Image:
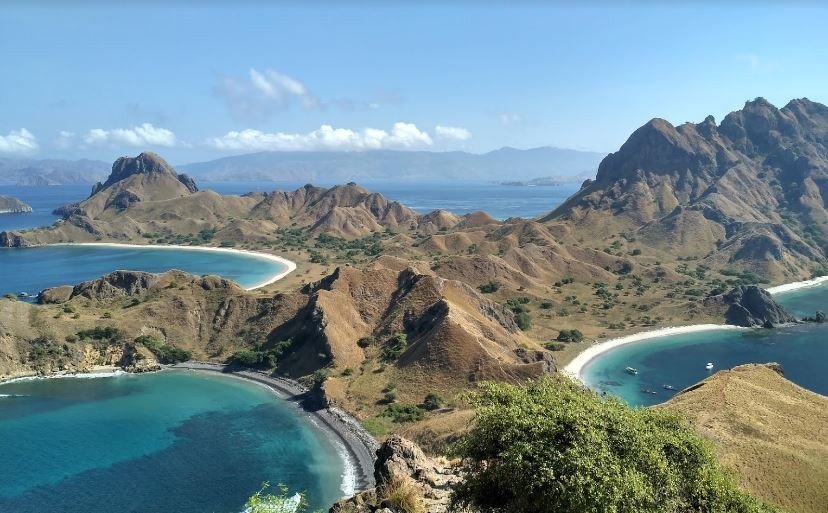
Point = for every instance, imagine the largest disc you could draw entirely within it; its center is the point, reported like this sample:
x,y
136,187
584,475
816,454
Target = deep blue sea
x,y
679,360
31,270
168,442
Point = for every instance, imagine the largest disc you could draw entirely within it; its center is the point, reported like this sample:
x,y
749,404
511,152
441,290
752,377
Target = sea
x,y
679,361
174,441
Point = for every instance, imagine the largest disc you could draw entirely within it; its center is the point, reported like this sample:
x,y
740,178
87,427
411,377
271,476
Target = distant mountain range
x,y
51,171
338,167
506,164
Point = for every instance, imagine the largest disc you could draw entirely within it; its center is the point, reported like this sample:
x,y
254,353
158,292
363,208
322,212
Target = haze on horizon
x,y
430,77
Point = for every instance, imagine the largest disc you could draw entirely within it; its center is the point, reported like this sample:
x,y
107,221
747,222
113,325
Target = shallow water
x,y
679,360
34,269
172,441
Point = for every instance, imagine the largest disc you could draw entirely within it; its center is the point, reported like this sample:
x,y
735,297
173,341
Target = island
x,y
11,205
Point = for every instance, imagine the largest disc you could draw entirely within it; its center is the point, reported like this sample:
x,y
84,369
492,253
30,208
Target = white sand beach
x,y
574,368
790,287
289,265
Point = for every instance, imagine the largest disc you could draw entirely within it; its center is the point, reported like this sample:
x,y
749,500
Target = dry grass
x,y
769,431
402,494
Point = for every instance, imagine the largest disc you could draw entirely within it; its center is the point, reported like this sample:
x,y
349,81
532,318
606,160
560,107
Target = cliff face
x,y
753,189
10,205
751,306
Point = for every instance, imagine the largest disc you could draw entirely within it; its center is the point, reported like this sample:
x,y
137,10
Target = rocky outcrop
x,y
146,163
751,190
751,306
10,205
401,463
12,240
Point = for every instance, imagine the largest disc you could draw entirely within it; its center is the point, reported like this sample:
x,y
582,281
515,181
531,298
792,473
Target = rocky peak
x,y
751,306
145,163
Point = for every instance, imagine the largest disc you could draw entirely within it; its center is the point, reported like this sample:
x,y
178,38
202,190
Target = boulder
x,y
750,306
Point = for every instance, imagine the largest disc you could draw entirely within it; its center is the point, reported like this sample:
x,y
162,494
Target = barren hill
x,y
773,433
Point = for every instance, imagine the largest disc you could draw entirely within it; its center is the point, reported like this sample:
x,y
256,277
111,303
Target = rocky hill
x,y
751,190
10,205
771,432
145,195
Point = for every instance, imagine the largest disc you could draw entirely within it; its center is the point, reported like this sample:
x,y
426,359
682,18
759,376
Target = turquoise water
x,y
34,269
679,360
167,442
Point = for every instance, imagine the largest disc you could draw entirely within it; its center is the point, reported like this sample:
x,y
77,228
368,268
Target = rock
x,y
145,163
400,459
55,295
118,283
749,306
12,240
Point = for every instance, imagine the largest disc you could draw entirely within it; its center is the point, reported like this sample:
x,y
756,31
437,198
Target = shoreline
x,y
342,429
575,368
358,447
289,265
797,285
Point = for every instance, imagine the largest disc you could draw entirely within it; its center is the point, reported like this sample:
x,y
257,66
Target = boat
x,y
631,370
648,391
669,387
23,294
709,366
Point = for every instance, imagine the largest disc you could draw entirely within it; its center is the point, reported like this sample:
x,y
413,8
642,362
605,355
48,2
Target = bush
x,y
432,402
98,333
555,346
489,288
284,502
553,446
570,336
163,352
395,347
366,341
547,305
404,412
523,320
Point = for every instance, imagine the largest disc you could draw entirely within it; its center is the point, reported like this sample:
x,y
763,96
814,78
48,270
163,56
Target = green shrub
x,y
366,341
553,446
555,346
432,402
98,333
163,352
404,413
489,288
570,336
395,347
523,320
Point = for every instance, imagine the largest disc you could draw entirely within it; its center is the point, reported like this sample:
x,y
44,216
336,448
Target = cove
x,y
31,270
171,441
679,361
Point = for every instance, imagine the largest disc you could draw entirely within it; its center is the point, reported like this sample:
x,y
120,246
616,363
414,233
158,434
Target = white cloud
x,y
456,133
143,135
326,137
756,63
262,91
19,142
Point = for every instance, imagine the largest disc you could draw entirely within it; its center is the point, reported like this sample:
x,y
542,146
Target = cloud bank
x,y
18,142
455,133
326,137
143,135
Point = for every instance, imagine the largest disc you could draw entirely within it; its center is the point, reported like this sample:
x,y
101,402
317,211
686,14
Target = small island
x,y
10,205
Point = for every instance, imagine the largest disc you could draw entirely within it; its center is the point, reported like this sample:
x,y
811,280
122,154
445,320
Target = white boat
x,y
709,366
631,370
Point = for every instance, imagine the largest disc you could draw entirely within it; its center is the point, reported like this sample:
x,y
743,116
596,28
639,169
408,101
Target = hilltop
x,y
771,432
751,190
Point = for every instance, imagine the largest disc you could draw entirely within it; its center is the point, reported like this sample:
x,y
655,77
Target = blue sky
x,y
93,81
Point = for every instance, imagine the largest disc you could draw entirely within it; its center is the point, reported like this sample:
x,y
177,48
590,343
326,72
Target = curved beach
x,y
358,446
574,368
290,266
790,287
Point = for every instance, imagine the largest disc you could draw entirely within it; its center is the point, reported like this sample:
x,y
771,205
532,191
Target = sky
x,y
90,80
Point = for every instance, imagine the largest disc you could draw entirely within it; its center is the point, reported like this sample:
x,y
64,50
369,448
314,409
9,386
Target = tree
x,y
553,446
432,402
570,336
